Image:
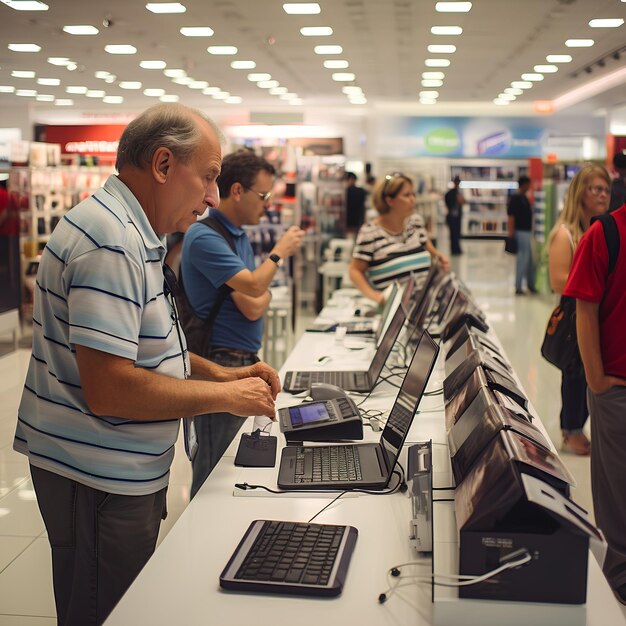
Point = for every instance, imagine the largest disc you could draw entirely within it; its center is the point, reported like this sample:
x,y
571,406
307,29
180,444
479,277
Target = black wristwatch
x,y
276,259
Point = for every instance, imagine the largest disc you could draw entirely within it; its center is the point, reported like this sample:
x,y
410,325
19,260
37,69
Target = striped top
x,y
99,285
393,257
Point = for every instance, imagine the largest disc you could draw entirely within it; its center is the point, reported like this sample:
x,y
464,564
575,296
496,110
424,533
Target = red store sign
x,y
98,140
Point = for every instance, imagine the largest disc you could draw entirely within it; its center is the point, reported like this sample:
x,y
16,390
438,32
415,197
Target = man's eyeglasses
x,y
596,190
264,196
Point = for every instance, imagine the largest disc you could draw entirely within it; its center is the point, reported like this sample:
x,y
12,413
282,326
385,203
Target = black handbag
x,y
510,245
560,344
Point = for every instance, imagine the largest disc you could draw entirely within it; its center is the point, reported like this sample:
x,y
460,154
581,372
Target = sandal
x,y
576,444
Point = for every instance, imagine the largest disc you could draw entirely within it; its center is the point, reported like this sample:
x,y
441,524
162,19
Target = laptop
x,y
366,465
359,380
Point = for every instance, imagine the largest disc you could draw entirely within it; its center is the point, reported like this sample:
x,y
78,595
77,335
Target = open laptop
x,y
366,465
359,380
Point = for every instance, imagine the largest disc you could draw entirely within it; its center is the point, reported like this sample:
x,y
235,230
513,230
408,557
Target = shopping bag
x,y
510,245
560,344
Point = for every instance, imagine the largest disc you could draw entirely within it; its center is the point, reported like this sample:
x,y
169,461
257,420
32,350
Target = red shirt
x,y
588,280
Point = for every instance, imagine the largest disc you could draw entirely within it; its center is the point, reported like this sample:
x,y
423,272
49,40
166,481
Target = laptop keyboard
x,y
303,380
328,464
290,552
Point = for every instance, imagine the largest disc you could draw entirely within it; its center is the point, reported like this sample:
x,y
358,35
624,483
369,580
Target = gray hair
x,y
165,125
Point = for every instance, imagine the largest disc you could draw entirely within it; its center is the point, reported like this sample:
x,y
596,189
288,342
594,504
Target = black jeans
x,y
454,225
574,411
100,541
215,431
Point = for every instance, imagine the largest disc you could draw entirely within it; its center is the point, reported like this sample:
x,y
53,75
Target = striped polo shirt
x,y
99,285
393,257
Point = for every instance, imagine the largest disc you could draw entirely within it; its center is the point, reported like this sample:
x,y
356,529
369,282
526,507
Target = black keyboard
x,y
303,380
291,557
328,464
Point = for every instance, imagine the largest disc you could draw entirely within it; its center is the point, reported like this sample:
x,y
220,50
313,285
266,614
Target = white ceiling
x,y
384,42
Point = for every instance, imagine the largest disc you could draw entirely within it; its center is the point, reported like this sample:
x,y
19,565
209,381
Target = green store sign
x,y
442,141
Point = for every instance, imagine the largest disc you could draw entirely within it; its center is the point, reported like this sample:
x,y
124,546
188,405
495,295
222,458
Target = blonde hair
x,y
389,187
572,214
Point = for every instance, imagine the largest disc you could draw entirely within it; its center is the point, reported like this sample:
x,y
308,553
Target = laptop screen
x,y
408,399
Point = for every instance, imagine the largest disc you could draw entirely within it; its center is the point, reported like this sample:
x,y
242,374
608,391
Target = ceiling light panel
x,y
302,8
257,76
166,7
174,72
60,61
120,49
429,94
95,93
336,64
7,89
198,84
546,69
434,75
80,29
430,82
453,7
51,82
154,93
316,31
44,97
243,65
26,5
153,65
196,31
559,58
222,50
521,84
437,62
328,49
579,43
130,84
446,30
606,23
26,93
24,47
532,77
23,74
345,77
268,84
441,49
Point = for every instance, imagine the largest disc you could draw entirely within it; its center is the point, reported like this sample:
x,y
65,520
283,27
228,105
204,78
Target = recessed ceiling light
x,y
153,65
234,100
316,31
532,77
336,64
196,31
26,93
579,43
328,49
521,84
26,5
437,62
546,69
559,58
514,91
430,82
278,91
507,96
428,94
71,66
168,97
174,73
120,49
243,65
154,93
23,74
446,30
64,102
198,84
103,75
130,84
345,77
434,75
166,7
44,97
302,8
183,80
441,49
268,84
501,102
211,91
352,89
7,89
76,89
80,29
222,95
222,50
52,82
111,78
256,77
606,23
60,61
453,7
24,47
113,99
95,93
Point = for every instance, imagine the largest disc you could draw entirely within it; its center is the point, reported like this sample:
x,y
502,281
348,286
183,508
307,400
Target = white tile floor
x,y
25,568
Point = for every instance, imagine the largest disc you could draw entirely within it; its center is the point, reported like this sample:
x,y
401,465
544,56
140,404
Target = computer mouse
x,y
324,391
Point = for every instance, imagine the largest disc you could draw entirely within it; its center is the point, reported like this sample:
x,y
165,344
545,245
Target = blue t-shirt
x,y
207,262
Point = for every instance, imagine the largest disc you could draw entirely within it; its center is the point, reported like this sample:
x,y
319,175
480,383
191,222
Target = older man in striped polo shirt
x,y
107,381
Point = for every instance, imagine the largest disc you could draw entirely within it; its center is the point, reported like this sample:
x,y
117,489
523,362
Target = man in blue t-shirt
x,y
208,262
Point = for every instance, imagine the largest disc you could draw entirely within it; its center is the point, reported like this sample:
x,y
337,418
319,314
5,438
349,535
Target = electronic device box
x,y
321,420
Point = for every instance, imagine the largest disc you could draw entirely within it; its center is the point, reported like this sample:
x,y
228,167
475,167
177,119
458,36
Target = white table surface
x,y
180,583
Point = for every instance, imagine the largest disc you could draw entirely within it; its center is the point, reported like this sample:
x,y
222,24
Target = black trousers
x,y
454,225
100,542
215,431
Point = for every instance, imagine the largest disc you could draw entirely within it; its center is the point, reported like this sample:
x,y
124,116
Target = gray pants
x,y
215,431
100,542
608,476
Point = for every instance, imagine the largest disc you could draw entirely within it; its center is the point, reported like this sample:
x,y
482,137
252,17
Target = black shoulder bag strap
x,y
611,235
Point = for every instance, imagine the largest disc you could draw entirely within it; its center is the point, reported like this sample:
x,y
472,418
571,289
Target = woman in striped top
x,y
393,245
